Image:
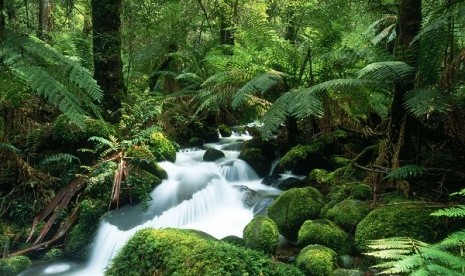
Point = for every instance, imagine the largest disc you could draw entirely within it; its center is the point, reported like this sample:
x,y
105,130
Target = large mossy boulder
x,y
324,232
361,191
293,207
348,213
14,265
316,260
255,158
180,252
302,159
224,130
212,154
403,219
261,233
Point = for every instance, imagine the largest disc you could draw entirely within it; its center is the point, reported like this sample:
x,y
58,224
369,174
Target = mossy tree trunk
x,y
2,20
45,19
108,66
408,26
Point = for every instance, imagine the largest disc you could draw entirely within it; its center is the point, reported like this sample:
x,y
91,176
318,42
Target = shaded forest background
x,y
93,93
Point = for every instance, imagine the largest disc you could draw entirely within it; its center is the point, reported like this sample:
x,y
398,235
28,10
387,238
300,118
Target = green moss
x,y
348,213
53,254
361,191
293,207
347,272
256,160
316,260
196,142
180,252
262,234
403,219
14,265
318,176
224,130
339,161
324,232
83,233
66,130
161,147
302,159
212,155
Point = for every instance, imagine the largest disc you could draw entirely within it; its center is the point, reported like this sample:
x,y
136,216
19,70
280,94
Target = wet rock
x,y
249,196
290,183
212,154
272,180
261,208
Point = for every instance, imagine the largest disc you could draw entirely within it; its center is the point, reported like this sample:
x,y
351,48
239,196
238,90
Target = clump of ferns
x,y
406,256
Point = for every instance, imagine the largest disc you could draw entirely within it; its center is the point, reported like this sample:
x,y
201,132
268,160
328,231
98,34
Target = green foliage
x,y
406,171
424,102
60,158
293,207
183,252
262,234
326,233
14,265
361,191
301,159
224,130
161,147
62,81
348,213
316,260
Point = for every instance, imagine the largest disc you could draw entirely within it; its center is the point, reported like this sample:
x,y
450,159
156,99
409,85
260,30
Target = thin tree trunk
x,y
2,20
408,26
108,66
45,19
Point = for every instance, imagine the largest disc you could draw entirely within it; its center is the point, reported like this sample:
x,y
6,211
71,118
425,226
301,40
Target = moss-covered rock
x,y
224,130
339,161
234,240
403,219
348,213
67,131
347,272
290,183
261,233
212,154
82,234
302,159
14,265
361,191
293,207
179,252
196,142
256,160
161,147
324,232
316,260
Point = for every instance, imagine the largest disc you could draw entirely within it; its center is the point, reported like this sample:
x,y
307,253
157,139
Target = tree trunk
x,y
2,20
226,35
408,26
45,19
108,66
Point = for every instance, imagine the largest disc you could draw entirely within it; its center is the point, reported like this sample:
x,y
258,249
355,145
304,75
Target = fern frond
x,y
60,157
422,102
305,103
276,114
454,240
258,85
190,78
405,172
9,147
387,71
102,141
451,212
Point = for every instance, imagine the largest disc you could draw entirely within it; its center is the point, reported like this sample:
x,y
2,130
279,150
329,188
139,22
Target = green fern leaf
x,y
451,212
422,102
387,71
9,147
405,172
258,85
60,157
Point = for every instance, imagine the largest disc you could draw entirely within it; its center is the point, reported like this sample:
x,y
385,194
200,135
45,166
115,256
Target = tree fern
x,y
406,171
387,71
258,85
62,81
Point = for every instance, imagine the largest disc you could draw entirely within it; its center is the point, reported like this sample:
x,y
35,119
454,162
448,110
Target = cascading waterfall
x,y
217,198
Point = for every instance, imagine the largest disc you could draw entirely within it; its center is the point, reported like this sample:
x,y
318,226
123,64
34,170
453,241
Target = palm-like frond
x,y
421,102
60,157
258,85
387,71
64,82
451,212
9,148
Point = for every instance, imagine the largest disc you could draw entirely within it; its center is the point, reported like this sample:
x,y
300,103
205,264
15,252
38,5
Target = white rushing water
x,y
206,196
